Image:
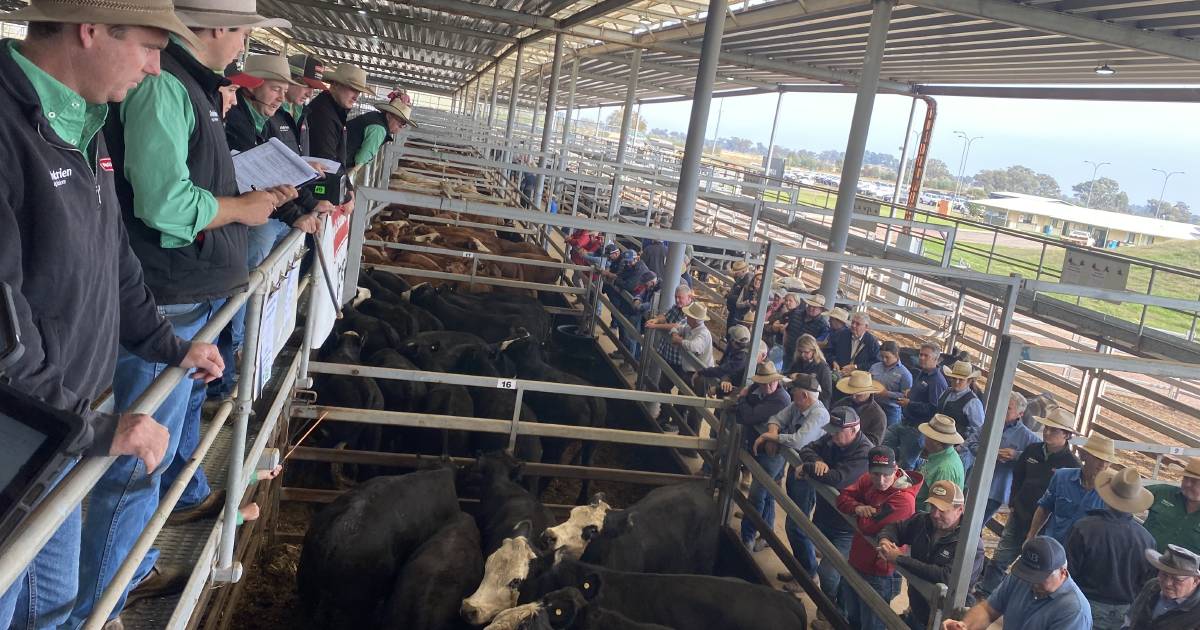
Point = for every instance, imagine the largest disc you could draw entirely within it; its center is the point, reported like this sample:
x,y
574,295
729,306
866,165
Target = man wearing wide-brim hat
x,y
367,133
860,389
63,253
1171,601
1175,515
329,112
941,459
187,225
1105,548
1072,491
756,405
695,344
961,403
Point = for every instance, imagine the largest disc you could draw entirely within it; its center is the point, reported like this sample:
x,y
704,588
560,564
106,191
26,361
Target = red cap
x,y
247,81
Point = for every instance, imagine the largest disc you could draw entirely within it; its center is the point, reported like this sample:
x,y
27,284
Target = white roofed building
x,y
1054,217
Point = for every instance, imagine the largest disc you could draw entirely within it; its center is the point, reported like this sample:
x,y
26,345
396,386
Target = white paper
x,y
271,164
329,165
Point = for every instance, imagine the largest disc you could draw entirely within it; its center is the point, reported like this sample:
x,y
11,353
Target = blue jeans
x,y
827,574
1006,552
763,502
805,497
1108,616
892,413
858,613
42,596
907,442
122,502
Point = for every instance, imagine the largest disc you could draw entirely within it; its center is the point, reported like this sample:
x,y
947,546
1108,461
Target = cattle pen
x,y
1125,362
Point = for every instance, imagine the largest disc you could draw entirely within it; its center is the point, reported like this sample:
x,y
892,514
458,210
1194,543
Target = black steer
x,y
673,529
489,325
429,591
431,350
376,333
356,546
569,609
398,317
694,602
353,392
503,503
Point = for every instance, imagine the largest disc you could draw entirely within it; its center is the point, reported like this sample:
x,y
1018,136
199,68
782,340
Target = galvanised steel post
x,y
495,82
551,104
537,101
856,144
513,95
758,206
689,171
912,112
635,65
564,150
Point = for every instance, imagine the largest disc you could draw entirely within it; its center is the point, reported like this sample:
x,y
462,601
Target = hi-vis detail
x,y
59,176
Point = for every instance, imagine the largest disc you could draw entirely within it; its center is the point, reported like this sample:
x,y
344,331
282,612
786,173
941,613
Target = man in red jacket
x,y
884,494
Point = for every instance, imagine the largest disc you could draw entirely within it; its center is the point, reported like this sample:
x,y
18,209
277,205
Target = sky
x,y
1049,136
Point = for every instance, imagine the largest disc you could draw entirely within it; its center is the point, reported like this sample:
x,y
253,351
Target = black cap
x,y
807,382
309,70
1039,558
840,418
881,459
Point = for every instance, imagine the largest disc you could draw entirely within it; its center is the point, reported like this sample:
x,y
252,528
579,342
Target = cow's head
x,y
558,610
569,539
417,290
504,572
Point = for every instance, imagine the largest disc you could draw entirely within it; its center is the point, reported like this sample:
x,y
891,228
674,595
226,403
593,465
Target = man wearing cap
x,y
861,390
807,318
1015,438
756,406
1171,601
1039,595
1106,548
895,378
942,462
854,347
328,113
624,279
77,290
1175,515
307,72
932,541
366,133
187,225
1032,471
880,497
961,404
917,406
838,459
1072,491
742,275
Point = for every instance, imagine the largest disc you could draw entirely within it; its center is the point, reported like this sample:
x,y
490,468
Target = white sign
x,y
276,325
866,207
506,383
1087,269
334,243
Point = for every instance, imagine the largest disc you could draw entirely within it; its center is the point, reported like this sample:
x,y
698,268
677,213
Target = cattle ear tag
x,y
587,585
558,612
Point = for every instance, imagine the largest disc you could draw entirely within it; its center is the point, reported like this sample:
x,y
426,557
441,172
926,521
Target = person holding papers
x,y
187,225
366,133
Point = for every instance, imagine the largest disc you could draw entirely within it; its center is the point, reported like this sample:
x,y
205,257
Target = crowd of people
x,y
136,239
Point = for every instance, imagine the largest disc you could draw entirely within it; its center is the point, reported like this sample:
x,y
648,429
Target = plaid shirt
x,y
671,353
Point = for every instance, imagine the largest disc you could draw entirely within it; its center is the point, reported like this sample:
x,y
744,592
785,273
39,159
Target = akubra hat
x,y
265,68
350,76
1058,418
158,14
1122,491
941,429
697,311
1175,560
1193,468
399,104
1101,446
859,382
225,14
739,266
960,369
765,373
839,314
817,301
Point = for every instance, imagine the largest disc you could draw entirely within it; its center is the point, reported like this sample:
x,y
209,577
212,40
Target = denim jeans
x,y
41,598
805,497
1108,616
907,442
990,510
892,413
1006,552
827,574
763,502
857,612
122,502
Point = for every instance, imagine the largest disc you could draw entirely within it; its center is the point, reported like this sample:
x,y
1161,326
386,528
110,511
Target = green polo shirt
x,y
294,110
944,465
74,120
159,118
373,137
258,118
1169,521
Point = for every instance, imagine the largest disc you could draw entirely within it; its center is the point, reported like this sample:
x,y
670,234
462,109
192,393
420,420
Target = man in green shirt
x,y
1174,518
366,133
941,459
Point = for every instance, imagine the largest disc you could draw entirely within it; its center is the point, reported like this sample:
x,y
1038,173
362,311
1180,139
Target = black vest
x,y
214,265
356,129
291,130
327,128
957,409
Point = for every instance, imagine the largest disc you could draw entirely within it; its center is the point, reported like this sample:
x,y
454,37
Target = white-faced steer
x,y
569,539
504,572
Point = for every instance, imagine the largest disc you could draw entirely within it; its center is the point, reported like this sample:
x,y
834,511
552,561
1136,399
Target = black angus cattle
x,y
491,326
529,309
694,602
398,394
399,318
431,350
430,588
673,529
376,333
356,546
353,392
504,504
494,402
567,609
522,358
391,288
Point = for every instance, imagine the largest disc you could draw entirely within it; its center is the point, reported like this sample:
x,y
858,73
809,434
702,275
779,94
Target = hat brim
x,y
407,118
1104,455
167,21
248,81
770,378
844,320
940,503
875,388
813,303
361,88
949,373
1054,424
940,438
1155,560
196,18
1141,503
881,469
832,428
313,83
271,76
1031,576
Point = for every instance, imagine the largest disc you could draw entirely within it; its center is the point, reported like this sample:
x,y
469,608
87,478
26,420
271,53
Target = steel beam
x,y
614,201
1139,94
491,118
407,43
312,43
758,206
514,96
365,11
551,106
537,101
856,144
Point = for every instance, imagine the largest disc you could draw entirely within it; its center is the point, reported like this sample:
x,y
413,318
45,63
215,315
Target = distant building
x,y
1054,217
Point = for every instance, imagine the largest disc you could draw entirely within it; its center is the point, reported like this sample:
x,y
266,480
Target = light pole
x,y
962,164
1166,178
1095,167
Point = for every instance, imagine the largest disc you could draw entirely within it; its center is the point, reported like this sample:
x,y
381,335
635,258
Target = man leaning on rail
x,y
187,224
77,287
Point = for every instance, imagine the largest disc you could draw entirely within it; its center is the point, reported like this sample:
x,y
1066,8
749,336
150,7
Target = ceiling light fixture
x,y
1105,70
362,11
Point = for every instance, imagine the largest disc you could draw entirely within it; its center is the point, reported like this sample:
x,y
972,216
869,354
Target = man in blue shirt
x,y
1072,491
1013,441
917,405
1038,595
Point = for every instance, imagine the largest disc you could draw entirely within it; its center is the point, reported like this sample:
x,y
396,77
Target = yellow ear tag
x,y
558,612
587,585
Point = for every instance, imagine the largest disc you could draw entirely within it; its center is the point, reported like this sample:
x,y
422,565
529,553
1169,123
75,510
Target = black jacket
x,y
356,130
1031,476
929,559
1106,553
1186,617
327,129
840,344
870,416
214,265
242,135
846,465
757,406
297,128
77,286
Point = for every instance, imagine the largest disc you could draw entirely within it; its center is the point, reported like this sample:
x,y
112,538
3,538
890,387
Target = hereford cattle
x,y
694,602
355,546
504,573
566,609
430,588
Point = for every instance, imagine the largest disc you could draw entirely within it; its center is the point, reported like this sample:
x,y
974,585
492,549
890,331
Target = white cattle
x,y
569,539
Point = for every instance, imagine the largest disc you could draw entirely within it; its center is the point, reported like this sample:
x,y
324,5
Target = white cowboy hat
x,y
697,311
158,14
941,429
225,14
859,382
399,104
350,76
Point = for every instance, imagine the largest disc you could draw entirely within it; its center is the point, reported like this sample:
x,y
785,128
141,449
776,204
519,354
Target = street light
x,y
1096,167
962,163
1166,178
